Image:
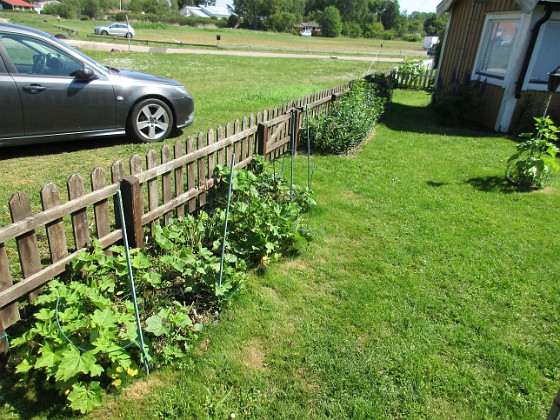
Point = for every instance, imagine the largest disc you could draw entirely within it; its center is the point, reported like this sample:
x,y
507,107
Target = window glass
x,y
499,39
547,57
31,56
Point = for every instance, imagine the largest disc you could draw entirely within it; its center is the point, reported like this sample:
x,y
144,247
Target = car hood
x,y
143,77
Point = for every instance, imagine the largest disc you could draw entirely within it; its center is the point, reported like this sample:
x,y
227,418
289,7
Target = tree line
x,y
353,18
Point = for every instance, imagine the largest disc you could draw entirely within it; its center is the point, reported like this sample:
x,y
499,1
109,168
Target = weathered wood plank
x,y
179,176
193,156
191,175
20,208
237,144
201,165
56,235
79,218
220,134
100,209
153,190
133,210
166,190
9,315
41,219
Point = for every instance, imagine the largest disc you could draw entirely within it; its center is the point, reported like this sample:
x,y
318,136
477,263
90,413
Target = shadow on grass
x,y
70,146
495,184
422,119
30,399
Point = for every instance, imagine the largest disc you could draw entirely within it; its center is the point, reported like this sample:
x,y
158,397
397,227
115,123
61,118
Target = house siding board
x,y
531,105
467,17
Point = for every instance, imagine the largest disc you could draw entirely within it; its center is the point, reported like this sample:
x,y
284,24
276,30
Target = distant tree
x,y
253,13
281,22
373,30
434,25
250,12
391,16
352,10
352,30
331,22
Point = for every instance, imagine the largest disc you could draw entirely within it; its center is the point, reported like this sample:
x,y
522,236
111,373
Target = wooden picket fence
x,y
422,82
176,184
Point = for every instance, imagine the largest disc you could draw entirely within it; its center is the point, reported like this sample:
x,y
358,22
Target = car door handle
x,y
34,88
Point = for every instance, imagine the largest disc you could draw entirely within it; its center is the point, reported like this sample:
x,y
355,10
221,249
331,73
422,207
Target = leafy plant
x,y
410,70
82,340
265,217
535,159
85,338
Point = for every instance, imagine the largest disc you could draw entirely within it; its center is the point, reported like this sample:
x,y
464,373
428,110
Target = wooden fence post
x,y
296,117
133,211
262,138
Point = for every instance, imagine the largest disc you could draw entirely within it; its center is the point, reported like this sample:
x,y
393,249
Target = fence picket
x,y
201,173
179,176
9,315
100,209
20,209
56,235
167,191
191,175
153,189
79,218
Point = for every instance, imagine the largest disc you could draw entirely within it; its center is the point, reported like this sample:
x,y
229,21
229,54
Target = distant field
x,y
230,38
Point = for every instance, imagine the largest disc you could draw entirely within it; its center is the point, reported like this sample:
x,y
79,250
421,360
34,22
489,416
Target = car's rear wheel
x,y
150,120
128,35
104,33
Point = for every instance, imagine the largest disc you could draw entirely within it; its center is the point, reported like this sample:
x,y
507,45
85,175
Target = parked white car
x,y
118,29
305,32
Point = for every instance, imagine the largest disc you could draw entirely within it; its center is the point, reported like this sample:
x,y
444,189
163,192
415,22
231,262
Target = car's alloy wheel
x,y
150,120
104,33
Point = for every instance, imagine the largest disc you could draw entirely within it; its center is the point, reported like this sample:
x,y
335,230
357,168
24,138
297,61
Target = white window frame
x,y
527,84
483,45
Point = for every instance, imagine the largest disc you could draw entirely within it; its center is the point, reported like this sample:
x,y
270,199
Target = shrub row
x,y
352,118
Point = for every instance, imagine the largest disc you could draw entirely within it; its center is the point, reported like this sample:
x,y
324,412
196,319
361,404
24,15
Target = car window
x,y
31,56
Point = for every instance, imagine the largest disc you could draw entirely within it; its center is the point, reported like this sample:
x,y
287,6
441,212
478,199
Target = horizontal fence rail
x,y
153,191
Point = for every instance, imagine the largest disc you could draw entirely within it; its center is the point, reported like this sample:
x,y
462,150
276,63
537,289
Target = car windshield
x,y
82,55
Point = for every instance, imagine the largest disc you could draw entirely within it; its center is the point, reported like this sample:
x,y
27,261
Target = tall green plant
x,y
536,158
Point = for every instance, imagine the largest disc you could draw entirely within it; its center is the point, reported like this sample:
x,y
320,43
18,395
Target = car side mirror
x,y
86,73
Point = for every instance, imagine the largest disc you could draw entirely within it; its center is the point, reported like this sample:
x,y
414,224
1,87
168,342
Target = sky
x,y
418,5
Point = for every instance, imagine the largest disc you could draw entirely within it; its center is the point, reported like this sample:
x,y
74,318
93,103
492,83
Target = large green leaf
x,y
48,357
84,398
73,363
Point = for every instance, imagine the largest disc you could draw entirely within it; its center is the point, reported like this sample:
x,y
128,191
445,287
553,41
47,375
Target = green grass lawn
x,y
430,291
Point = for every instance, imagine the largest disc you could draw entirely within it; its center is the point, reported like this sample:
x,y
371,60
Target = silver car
x,y
51,92
118,29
